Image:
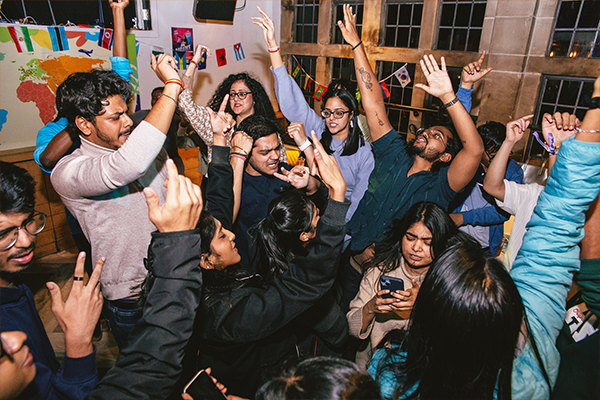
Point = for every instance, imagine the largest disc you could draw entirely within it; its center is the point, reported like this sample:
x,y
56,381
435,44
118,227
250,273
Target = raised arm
x,y
119,41
465,163
556,129
471,73
188,75
372,98
493,182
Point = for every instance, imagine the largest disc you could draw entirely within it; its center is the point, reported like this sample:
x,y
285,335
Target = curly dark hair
x,y
340,88
262,104
17,190
85,94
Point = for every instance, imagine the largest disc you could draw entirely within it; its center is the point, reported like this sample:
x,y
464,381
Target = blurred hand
x,y
348,27
221,122
298,176
182,207
516,129
438,80
78,315
296,132
268,27
327,168
472,72
201,49
116,4
243,140
165,67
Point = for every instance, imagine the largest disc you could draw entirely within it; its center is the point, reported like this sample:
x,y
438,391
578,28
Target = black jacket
x,y
150,364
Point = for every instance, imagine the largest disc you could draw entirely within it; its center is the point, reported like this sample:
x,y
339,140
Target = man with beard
x,y
42,376
432,168
101,182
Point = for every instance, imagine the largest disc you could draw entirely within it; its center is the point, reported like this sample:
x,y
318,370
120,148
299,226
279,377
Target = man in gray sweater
x,y
101,183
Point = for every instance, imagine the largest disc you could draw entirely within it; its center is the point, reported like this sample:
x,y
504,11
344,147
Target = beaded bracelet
x,y
273,50
166,95
176,81
587,130
238,155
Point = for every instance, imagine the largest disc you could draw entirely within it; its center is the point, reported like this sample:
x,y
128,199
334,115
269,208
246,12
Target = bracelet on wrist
x,y
238,155
452,102
551,148
305,145
355,46
166,95
193,62
242,151
175,81
587,130
273,49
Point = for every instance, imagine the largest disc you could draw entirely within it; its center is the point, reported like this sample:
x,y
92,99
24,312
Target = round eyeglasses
x,y
32,225
239,95
337,114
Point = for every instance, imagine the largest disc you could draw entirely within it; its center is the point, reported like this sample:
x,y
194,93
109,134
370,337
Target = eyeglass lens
x,y
338,114
33,225
239,95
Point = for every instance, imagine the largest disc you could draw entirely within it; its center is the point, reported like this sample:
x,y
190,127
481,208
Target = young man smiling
x,y
101,182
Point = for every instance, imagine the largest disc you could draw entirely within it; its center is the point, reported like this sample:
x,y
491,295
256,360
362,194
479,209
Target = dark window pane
x,y
561,41
589,15
551,91
417,13
308,15
463,14
394,117
447,15
402,37
459,39
407,96
474,38
580,113
414,38
405,14
403,126
569,93
586,94
358,10
582,44
396,95
299,15
298,35
478,15
444,38
561,109
390,37
567,16
596,51
392,14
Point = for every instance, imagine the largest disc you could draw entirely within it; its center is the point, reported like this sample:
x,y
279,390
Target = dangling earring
x,y
351,123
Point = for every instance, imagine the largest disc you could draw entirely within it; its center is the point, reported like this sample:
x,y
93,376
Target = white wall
x,y
178,13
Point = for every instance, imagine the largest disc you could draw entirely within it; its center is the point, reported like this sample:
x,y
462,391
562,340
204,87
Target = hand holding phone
x,y
202,387
390,283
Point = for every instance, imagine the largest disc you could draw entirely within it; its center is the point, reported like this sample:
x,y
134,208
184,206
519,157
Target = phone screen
x,y
202,387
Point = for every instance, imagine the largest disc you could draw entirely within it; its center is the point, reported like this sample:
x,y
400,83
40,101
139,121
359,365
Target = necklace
x,y
339,148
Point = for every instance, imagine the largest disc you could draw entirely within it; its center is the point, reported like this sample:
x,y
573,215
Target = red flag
x,y
384,90
319,92
221,58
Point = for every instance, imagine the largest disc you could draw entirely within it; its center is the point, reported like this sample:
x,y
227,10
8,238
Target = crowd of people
x,y
272,276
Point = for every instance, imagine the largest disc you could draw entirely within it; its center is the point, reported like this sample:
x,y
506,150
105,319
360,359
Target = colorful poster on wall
x,y
34,60
183,45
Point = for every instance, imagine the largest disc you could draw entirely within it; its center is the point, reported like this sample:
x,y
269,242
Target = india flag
x,y
20,35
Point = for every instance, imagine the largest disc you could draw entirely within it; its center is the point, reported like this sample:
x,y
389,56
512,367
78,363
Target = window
x,y
460,25
343,68
560,94
402,24
576,30
309,64
86,12
338,15
306,21
399,117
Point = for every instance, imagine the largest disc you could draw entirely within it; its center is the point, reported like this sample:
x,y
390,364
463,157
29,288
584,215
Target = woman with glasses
x,y
246,97
338,129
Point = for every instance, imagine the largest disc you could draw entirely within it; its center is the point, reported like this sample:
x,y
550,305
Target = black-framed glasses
x,y
32,225
239,95
337,114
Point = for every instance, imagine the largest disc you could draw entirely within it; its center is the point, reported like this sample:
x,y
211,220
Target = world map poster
x,y
34,61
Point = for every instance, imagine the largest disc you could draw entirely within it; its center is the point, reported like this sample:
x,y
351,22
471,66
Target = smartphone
x,y
202,387
390,283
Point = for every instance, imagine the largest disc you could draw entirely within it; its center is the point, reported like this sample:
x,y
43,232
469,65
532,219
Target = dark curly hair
x,y
341,89
85,94
262,104
17,190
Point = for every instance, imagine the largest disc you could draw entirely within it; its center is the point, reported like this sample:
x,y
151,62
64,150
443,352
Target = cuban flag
x,y
239,52
403,76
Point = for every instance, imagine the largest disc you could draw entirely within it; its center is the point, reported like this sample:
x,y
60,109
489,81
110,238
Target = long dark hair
x,y
278,235
341,89
320,378
463,331
388,253
262,104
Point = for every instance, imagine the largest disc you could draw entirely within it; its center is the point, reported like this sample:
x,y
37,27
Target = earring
x,y
351,123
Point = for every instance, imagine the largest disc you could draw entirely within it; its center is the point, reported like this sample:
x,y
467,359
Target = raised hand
x,y
242,140
78,315
348,27
165,67
221,122
182,207
327,168
562,126
296,132
298,176
268,27
201,49
472,72
516,129
118,3
438,80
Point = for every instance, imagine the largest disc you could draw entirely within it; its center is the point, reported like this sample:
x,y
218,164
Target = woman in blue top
x,y
338,130
478,331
